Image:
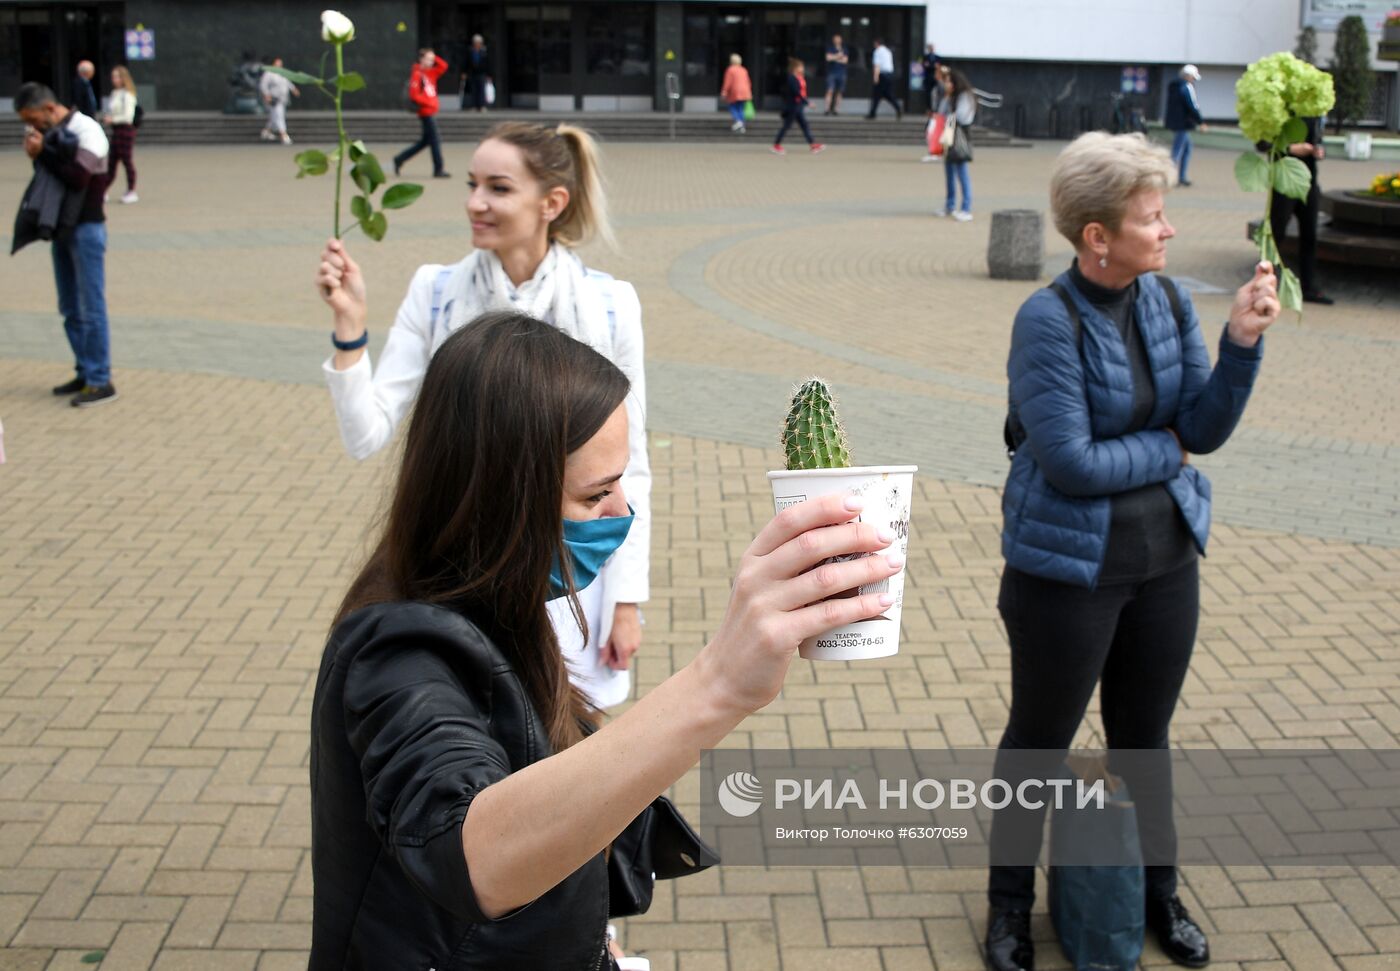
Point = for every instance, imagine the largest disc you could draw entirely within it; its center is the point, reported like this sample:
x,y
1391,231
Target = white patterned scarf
x,y
556,294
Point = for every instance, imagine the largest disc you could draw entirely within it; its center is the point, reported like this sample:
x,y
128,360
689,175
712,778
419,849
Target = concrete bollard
x,y
1016,250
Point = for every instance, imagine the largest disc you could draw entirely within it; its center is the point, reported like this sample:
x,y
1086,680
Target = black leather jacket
x,y
416,711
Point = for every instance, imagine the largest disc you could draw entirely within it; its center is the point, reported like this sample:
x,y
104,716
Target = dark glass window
x,y
619,39
701,57
556,53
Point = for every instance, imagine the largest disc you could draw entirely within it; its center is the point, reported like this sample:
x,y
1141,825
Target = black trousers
x,y
799,115
1282,209
884,91
429,140
1135,638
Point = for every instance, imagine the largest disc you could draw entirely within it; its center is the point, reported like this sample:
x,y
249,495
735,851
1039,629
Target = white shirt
x,y
371,401
883,60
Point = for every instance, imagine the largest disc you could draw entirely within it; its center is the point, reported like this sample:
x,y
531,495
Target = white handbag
x,y
950,128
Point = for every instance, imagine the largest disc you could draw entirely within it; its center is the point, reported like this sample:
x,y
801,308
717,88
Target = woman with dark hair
x,y
959,109
536,195
461,800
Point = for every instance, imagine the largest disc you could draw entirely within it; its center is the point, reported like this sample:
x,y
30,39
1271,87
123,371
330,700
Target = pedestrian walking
x,y
423,93
933,81
882,67
1182,116
463,797
276,92
536,194
837,63
959,110
1283,208
476,75
121,116
795,108
1111,390
737,92
64,204
84,97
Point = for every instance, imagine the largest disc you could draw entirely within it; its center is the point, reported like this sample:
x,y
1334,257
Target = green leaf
x,y
367,173
357,148
1290,291
311,162
1252,172
296,77
375,226
350,82
1292,178
401,195
1296,130
93,957
360,208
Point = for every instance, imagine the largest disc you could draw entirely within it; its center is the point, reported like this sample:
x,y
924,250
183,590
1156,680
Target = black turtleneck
x,y
1148,535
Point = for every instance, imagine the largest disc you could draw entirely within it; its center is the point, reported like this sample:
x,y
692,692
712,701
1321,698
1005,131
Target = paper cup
x,y
888,492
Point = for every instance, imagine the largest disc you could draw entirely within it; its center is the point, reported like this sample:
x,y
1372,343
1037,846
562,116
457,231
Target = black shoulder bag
x,y
1013,433
657,845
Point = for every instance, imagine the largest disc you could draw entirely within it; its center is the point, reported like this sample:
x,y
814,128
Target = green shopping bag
x,y
748,111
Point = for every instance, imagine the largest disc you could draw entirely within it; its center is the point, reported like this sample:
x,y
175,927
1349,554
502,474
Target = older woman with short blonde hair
x,y
1111,389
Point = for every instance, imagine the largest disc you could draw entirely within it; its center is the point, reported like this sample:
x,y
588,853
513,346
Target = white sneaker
x,y
286,139
943,213
743,130
737,126
962,217
266,135
130,197
931,158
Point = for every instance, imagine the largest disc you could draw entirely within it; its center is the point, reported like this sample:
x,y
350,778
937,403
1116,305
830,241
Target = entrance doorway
x,y
45,43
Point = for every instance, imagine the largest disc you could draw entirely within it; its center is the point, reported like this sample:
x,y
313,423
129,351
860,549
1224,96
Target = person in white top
x,y
276,91
121,116
535,194
882,79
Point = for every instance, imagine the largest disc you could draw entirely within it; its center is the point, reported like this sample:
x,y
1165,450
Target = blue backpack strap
x,y
439,286
605,284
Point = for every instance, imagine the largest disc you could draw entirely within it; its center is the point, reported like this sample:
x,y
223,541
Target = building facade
x,y
1060,65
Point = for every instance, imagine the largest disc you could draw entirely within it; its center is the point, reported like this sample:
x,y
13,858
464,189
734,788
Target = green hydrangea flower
x,y
1276,88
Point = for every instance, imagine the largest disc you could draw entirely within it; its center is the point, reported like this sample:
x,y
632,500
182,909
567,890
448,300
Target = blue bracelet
x,y
353,345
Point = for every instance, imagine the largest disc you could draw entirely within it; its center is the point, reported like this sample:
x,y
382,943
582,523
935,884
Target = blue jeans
x,y
958,171
799,115
78,273
1181,152
429,140
736,108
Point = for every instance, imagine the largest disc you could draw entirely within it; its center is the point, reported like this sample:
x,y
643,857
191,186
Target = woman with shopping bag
x,y
737,93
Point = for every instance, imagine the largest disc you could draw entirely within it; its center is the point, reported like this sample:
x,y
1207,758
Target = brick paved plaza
x,y
169,564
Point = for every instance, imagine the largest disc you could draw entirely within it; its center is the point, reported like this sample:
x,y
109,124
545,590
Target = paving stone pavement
x,y
169,564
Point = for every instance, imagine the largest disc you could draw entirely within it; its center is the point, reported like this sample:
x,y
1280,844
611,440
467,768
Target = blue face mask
x,y
589,542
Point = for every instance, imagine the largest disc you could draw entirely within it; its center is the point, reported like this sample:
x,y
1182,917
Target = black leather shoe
x,y
1179,936
1318,297
1009,946
71,387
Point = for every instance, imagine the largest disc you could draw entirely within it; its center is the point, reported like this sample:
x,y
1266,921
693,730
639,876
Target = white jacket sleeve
x,y
629,580
369,403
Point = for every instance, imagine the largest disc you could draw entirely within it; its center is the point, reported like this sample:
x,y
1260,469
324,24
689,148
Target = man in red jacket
x,y
422,90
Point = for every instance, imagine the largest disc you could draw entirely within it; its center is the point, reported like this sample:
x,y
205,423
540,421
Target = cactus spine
x,y
813,436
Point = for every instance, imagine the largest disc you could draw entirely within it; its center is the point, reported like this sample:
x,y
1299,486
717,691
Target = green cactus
x,y
813,436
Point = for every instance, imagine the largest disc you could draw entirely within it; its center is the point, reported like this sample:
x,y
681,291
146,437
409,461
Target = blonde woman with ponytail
x,y
536,193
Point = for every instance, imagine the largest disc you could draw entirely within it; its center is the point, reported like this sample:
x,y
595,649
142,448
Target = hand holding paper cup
x,y
819,464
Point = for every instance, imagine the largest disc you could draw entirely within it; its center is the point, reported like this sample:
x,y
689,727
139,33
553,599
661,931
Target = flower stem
x,y
340,127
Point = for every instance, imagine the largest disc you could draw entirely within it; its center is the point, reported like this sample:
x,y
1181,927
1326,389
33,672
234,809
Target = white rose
x,y
336,28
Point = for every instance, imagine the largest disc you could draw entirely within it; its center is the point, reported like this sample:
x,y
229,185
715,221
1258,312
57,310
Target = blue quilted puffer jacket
x,y
1075,404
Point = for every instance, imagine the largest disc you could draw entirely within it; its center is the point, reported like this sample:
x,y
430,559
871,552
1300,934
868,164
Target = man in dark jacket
x,y
1282,208
71,147
84,98
1183,114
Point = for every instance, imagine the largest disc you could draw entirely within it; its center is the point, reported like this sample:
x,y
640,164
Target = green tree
x,y
1351,70
1307,45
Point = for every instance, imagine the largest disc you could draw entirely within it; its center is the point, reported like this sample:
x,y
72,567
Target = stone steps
x,y
388,127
